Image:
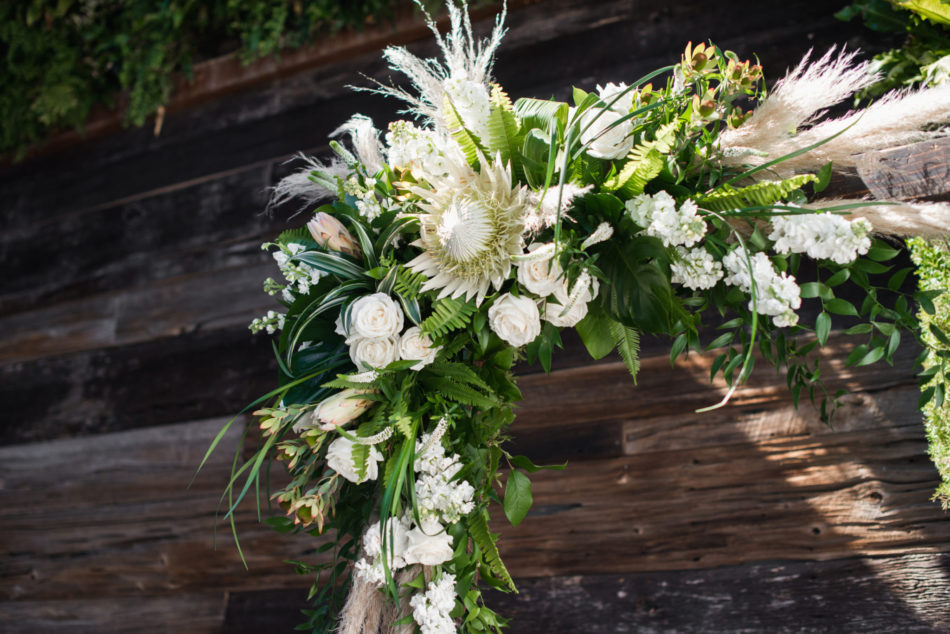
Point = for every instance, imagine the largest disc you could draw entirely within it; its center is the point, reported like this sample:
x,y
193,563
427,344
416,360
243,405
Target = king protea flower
x,y
471,226
332,235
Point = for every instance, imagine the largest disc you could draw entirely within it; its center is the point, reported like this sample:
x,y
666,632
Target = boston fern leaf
x,y
628,345
298,235
461,393
478,528
760,194
408,282
448,314
644,163
459,372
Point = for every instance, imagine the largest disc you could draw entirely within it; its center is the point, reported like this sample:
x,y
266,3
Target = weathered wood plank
x,y
115,507
194,613
847,596
206,301
915,171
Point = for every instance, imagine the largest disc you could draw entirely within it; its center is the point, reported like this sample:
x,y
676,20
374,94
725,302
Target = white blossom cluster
x,y
431,609
660,218
777,294
373,333
824,236
471,101
300,276
366,202
437,495
271,323
418,150
426,544
695,269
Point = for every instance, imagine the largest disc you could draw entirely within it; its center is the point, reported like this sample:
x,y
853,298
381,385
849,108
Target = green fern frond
x,y
408,282
461,393
471,145
760,194
628,345
298,235
644,163
478,528
403,423
448,314
500,98
458,372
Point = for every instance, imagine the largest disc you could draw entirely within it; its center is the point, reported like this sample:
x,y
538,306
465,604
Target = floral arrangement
x,y
459,244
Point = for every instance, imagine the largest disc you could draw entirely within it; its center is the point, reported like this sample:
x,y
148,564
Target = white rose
x,y
576,311
541,276
376,315
613,144
398,531
515,319
413,345
377,352
340,459
609,92
429,545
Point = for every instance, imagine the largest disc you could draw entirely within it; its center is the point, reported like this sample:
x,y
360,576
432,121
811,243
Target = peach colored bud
x,y
332,235
341,408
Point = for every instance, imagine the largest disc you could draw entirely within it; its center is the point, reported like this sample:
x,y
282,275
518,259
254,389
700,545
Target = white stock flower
x,y
660,218
777,294
340,459
823,236
515,319
418,150
415,346
695,269
431,609
429,544
376,315
541,275
571,306
609,92
612,144
368,353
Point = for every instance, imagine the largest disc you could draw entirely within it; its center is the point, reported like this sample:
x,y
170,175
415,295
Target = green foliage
x,y
628,345
762,194
644,163
933,261
922,58
448,314
485,540
62,57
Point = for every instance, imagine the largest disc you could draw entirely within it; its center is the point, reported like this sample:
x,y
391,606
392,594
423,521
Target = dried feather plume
x,y
785,121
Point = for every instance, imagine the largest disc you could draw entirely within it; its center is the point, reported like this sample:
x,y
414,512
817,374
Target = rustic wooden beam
x,y
919,171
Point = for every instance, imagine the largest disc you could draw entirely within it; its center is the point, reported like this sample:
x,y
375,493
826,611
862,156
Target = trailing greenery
x,y
933,272
62,57
924,56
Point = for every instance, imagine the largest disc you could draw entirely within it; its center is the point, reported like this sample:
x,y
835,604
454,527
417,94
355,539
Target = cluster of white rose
x,y
777,294
660,218
517,319
438,496
695,268
824,236
372,331
431,609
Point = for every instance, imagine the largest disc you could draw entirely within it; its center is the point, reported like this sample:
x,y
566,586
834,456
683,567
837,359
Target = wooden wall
x,y
131,267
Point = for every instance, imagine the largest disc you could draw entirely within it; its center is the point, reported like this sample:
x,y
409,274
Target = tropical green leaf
x,y
518,498
504,137
627,341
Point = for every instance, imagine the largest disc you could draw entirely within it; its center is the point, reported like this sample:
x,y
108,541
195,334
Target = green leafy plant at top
x,y
62,57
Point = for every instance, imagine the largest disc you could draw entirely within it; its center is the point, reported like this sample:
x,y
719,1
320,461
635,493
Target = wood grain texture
x,y
846,596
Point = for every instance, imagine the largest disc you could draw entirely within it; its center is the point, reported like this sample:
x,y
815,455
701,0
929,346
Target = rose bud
x,y
341,408
332,235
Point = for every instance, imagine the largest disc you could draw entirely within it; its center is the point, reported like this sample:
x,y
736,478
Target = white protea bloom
x,y
470,227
